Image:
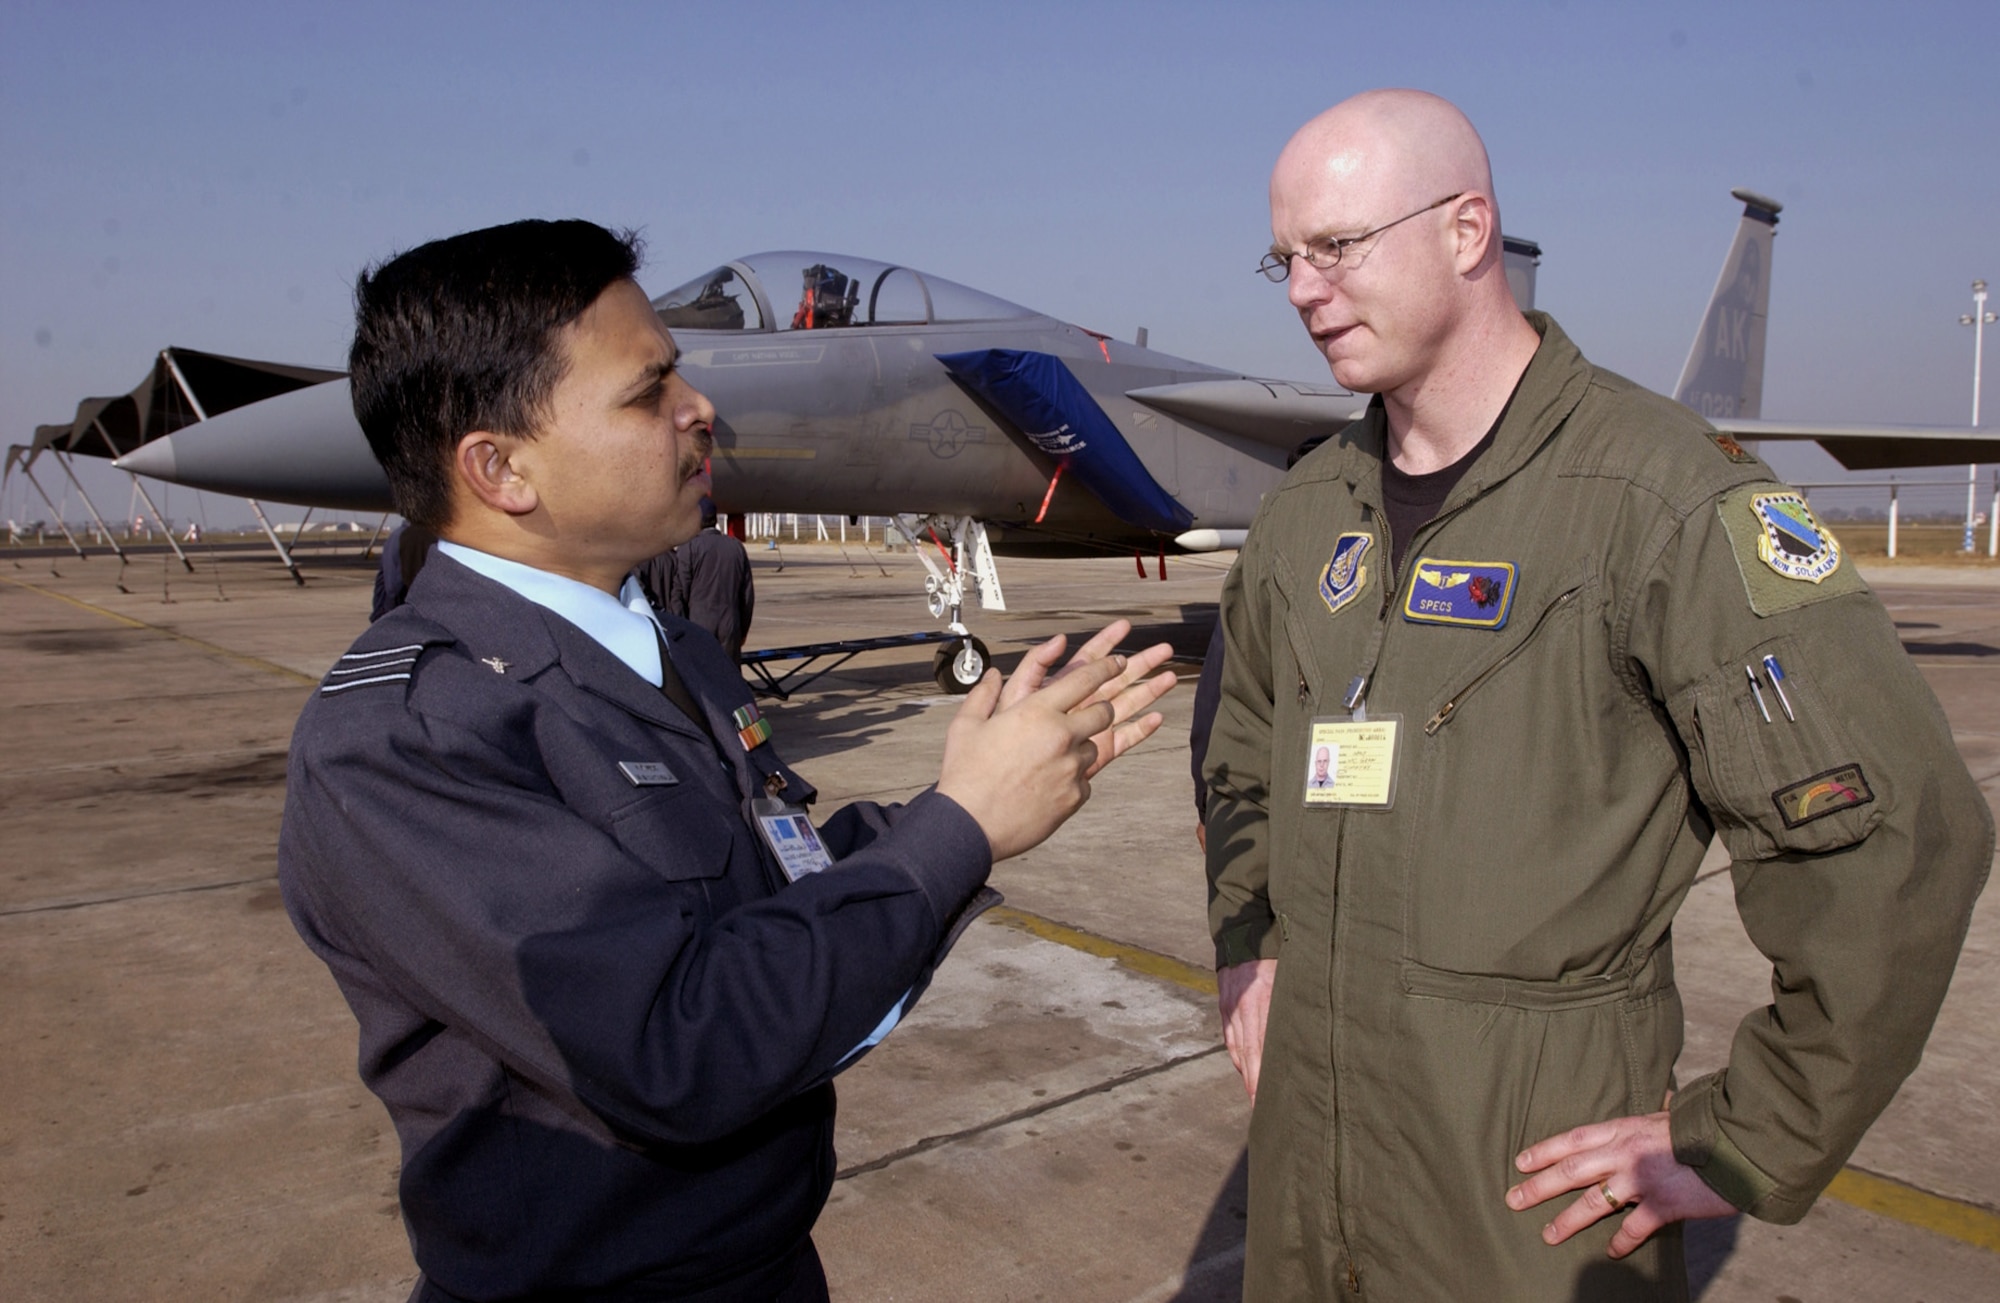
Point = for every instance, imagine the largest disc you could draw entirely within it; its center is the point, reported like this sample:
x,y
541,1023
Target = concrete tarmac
x,y
1056,1120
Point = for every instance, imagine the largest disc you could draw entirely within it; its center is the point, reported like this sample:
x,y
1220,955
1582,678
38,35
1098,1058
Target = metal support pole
x,y
376,537
173,367
1977,319
272,534
54,511
62,460
172,542
1993,520
1894,509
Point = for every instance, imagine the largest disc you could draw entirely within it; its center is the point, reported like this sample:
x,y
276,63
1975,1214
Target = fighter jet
x,y
846,386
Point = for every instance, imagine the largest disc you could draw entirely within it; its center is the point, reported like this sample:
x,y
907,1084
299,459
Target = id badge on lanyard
x,y
1352,761
788,830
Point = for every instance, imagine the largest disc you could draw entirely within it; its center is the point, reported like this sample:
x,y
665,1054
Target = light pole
x,y
1978,319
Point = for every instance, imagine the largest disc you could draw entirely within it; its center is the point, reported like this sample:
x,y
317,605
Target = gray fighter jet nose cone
x,y
302,447
155,459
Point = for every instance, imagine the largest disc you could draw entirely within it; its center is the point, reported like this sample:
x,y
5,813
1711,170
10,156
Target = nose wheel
x,y
958,666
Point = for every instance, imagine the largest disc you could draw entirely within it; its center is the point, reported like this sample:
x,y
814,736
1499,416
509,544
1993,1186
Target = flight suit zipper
x,y
1451,705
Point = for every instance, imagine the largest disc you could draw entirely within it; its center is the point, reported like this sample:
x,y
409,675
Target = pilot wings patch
x,y
1476,594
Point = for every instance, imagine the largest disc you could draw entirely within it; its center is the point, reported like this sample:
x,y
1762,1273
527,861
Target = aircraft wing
x,y
1279,413
1877,447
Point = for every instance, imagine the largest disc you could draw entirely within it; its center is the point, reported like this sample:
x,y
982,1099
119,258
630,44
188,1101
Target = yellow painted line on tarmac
x,y
213,649
1151,963
1968,1223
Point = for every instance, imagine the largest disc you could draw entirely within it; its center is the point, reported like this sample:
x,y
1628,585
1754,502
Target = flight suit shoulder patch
x,y
1787,558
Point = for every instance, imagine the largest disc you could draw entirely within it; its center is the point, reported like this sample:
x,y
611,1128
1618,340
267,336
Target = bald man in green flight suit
x,y
1560,635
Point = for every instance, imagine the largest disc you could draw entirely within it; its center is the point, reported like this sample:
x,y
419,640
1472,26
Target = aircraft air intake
x,y
1048,405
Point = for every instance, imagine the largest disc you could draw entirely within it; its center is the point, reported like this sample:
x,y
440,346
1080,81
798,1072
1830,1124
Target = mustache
x,y
697,455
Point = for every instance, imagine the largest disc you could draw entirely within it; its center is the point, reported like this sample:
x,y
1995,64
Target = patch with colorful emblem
x,y
1794,543
1476,594
1822,794
1770,588
1731,449
1344,577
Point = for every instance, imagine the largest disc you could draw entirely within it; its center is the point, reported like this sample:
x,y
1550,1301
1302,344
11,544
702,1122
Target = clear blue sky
x,y
213,175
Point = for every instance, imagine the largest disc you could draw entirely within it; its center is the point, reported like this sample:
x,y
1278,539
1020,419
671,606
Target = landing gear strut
x,y
960,663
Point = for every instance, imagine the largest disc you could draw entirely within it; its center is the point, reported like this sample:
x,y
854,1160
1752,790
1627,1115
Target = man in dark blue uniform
x,y
707,581
541,838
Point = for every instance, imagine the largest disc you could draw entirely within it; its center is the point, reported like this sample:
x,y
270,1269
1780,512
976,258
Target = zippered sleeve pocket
x,y
1774,762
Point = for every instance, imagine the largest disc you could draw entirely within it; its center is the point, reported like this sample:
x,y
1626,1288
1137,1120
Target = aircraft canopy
x,y
801,290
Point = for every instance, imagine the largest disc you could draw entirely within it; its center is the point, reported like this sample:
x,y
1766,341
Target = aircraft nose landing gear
x,y
958,666
960,662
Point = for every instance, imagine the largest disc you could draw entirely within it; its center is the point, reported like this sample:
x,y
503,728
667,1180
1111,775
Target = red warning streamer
x,y
1050,495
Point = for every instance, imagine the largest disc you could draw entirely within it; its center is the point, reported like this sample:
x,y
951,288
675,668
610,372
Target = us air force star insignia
x,y
499,666
1793,543
1344,577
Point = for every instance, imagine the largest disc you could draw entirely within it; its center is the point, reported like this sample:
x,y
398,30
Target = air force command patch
x,y
1477,594
1794,544
1344,577
1786,557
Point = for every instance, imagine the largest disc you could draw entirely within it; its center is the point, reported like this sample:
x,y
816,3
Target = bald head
x,y
1389,151
1397,181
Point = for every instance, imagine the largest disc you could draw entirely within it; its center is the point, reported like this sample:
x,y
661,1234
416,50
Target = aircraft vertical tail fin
x,y
1520,258
1724,375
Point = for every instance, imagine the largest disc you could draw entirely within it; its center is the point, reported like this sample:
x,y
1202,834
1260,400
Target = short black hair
x,y
460,335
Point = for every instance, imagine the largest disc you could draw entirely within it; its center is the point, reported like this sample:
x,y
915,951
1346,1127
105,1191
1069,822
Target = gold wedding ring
x,y
1604,1188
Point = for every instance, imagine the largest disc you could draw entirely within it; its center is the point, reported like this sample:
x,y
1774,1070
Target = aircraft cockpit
x,y
799,290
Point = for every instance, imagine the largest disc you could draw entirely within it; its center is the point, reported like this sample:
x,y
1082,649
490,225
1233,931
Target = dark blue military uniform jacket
x,y
603,1023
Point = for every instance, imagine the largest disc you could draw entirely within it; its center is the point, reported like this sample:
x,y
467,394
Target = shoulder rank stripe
x,y
331,688
371,667
387,651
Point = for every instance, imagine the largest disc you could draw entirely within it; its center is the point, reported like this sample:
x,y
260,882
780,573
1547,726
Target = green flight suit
x,y
1488,962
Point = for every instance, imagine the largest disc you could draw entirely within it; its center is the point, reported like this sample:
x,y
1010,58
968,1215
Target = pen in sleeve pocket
x,y
1758,693
1777,673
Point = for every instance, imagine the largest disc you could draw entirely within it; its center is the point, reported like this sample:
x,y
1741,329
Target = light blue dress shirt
x,y
623,625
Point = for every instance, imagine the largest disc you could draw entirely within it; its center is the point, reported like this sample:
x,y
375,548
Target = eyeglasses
x,y
1324,251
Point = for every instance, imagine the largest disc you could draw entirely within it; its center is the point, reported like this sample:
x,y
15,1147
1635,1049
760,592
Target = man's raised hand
x,y
1019,757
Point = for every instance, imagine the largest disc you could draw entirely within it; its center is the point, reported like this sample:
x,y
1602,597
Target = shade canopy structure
x,y
185,385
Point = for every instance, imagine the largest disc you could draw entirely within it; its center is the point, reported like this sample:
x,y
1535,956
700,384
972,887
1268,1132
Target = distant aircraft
x,y
846,386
